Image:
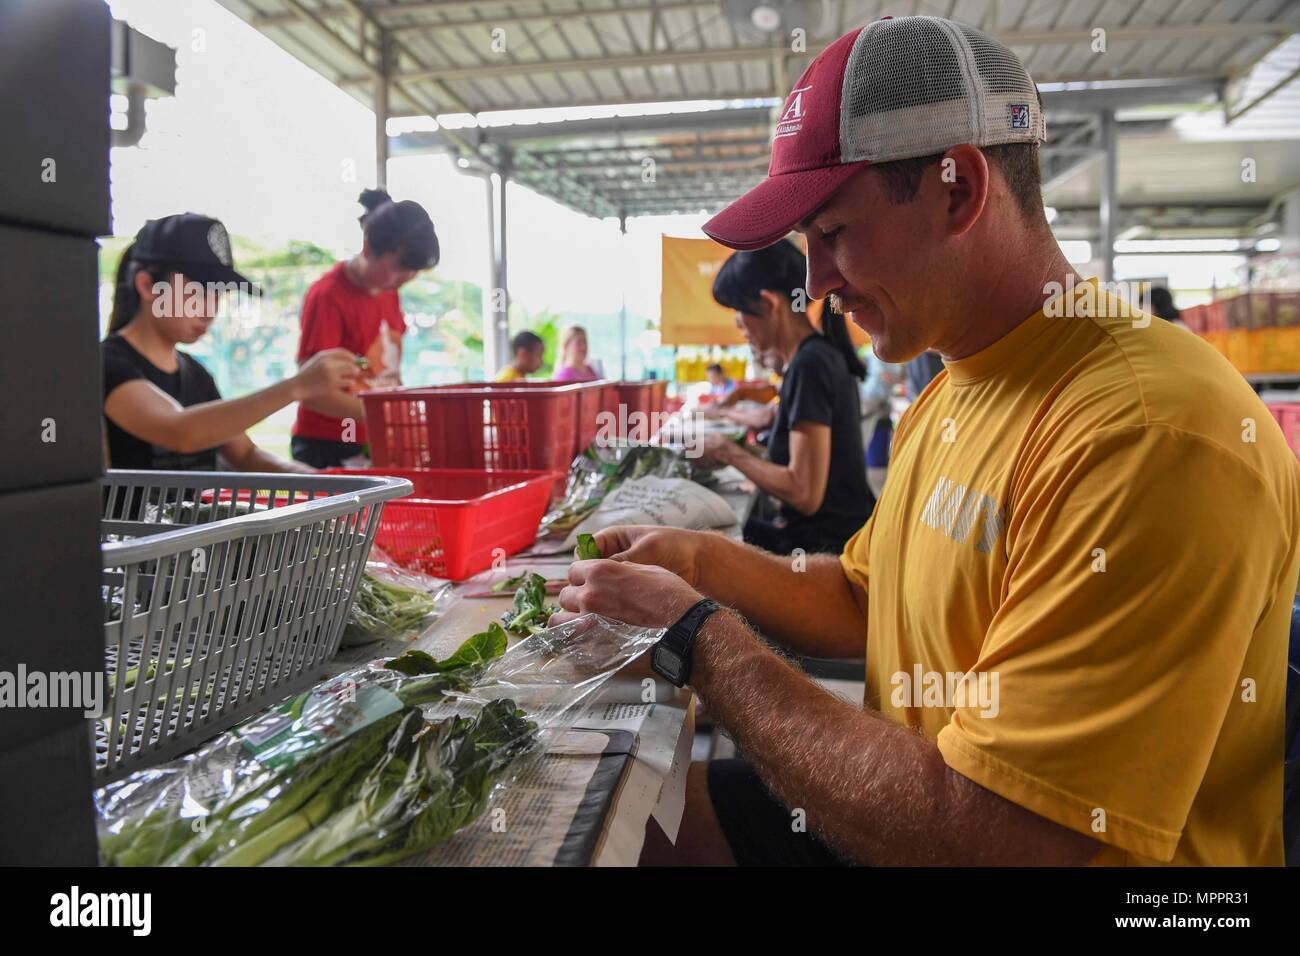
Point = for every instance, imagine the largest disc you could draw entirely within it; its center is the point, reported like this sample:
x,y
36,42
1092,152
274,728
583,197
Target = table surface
x,y
640,787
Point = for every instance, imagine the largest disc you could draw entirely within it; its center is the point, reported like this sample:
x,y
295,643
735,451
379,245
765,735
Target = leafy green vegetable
x,y
384,609
587,548
476,650
428,786
414,662
530,611
268,808
599,470
190,512
508,584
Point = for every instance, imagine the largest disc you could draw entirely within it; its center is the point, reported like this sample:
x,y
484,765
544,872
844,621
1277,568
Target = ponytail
x,y
126,301
836,332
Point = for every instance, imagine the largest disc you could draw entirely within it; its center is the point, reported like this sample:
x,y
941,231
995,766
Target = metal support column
x,y
380,87
501,325
1108,208
491,361
622,310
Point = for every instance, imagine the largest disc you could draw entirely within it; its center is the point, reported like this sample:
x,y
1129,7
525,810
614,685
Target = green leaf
x,y
509,584
587,548
413,663
479,649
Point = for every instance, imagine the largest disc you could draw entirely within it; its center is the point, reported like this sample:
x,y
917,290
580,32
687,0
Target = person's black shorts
x,y
783,538
757,826
323,453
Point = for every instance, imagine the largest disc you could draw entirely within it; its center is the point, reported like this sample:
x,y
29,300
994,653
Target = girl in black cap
x,y
161,407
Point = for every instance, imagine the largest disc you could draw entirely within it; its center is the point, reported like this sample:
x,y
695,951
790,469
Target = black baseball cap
x,y
197,246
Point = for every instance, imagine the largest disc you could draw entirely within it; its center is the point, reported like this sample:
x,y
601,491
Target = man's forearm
x,y
807,604
878,792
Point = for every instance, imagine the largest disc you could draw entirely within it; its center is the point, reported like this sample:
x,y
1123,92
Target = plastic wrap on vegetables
x,y
602,468
394,603
383,762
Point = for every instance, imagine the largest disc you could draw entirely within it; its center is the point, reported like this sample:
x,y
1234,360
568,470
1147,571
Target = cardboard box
x,y
54,69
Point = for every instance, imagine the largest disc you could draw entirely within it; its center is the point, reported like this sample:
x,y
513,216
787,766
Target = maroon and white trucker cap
x,y
894,89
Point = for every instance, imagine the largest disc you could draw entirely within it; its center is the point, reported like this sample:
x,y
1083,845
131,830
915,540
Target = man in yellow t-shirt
x,y
1074,593
529,352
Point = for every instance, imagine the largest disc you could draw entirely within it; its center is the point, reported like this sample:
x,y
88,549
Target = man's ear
x,y
964,181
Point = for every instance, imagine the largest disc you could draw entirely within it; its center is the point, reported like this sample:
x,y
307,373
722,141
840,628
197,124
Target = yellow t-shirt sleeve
x,y
855,559
508,374
1118,648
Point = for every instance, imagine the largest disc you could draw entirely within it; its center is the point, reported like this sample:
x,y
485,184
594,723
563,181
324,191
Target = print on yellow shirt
x,y
1100,511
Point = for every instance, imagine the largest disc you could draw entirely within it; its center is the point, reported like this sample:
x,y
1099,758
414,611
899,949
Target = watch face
x,y
667,663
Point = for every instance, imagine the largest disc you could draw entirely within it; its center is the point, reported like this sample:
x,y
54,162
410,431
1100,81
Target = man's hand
x,y
639,594
675,549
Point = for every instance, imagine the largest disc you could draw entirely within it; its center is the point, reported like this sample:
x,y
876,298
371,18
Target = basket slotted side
x,y
217,617
491,427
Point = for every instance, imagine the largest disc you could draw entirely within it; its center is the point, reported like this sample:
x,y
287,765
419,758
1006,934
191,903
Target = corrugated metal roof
x,y
453,56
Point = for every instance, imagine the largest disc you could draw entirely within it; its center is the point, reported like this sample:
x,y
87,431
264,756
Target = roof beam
x,y
632,165
389,14
1228,29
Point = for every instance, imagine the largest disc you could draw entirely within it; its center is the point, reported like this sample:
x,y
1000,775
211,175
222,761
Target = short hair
x,y
405,228
1162,304
779,268
715,367
527,341
1018,163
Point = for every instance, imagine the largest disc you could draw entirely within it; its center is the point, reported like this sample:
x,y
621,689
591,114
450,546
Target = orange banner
x,y
688,314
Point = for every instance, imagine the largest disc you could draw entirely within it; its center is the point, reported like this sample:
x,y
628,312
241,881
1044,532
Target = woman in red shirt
x,y
355,306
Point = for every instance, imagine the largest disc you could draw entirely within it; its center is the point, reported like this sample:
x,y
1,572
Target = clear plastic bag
x,y
371,767
599,470
394,603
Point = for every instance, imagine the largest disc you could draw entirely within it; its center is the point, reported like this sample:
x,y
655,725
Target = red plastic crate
x,y
646,397
1288,416
590,398
1216,319
455,521
488,427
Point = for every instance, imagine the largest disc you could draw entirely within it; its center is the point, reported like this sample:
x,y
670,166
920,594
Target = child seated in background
x,y
720,386
529,351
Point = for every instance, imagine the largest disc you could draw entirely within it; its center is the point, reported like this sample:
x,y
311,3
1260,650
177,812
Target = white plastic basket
x,y
210,615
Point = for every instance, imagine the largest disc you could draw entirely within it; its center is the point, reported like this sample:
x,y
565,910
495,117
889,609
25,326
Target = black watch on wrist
x,y
671,657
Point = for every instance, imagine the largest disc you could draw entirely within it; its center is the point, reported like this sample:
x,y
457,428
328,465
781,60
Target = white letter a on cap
x,y
795,109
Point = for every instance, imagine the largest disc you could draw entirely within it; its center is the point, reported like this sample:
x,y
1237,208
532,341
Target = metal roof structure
x,y
442,58
449,57
689,89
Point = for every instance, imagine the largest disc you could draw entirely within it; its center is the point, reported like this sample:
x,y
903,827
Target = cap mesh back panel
x,y
1007,84
906,94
